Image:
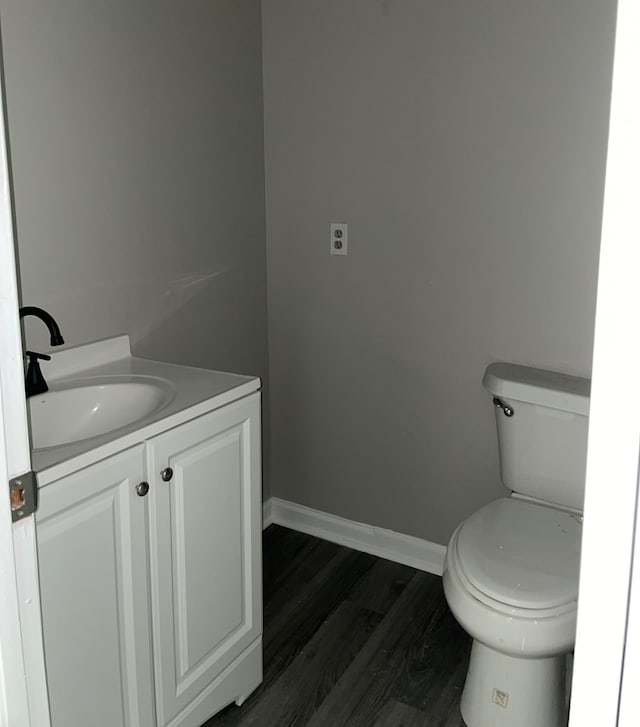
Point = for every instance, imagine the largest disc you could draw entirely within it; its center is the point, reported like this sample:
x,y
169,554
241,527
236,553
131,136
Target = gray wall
x,y
464,144
137,152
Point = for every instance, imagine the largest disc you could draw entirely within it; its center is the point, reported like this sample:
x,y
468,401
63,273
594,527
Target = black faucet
x,y
34,382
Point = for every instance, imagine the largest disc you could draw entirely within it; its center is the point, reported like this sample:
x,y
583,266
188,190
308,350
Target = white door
x,y
205,552
23,689
92,549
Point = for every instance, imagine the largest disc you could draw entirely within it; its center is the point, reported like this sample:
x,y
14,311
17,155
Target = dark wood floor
x,y
351,640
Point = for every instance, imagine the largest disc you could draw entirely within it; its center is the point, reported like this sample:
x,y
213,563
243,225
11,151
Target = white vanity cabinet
x,y
152,598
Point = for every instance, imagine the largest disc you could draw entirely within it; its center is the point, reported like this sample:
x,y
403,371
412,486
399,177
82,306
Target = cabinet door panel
x,y
92,555
205,532
205,553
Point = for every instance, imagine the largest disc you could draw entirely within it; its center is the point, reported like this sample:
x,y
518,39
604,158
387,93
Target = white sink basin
x,y
88,407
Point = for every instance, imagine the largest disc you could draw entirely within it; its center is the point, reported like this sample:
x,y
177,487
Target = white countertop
x,y
193,392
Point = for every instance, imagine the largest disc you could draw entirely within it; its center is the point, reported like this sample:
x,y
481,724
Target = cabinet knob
x,y
142,488
166,474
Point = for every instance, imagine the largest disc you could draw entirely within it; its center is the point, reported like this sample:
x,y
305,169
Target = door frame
x,y
607,640
609,612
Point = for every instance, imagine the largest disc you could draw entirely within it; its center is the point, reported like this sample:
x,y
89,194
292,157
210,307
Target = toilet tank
x,y
543,445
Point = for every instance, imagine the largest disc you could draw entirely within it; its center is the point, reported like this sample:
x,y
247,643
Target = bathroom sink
x,y
87,408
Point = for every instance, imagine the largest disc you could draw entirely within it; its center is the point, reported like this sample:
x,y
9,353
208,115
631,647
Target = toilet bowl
x,y
511,570
511,581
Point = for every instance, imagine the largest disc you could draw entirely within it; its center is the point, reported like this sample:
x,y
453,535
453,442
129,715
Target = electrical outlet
x,y
338,233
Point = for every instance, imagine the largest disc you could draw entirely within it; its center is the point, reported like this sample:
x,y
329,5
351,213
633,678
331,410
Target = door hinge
x,y
23,492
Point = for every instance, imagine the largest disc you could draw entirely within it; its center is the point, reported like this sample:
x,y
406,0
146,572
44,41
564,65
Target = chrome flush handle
x,y
506,409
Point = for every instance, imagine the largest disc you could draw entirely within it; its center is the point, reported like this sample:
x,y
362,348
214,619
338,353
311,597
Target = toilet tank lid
x,y
536,386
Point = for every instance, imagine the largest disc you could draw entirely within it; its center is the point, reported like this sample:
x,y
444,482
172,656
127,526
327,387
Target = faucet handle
x,y
34,380
36,355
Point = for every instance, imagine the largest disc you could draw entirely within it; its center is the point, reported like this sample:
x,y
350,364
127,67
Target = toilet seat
x,y
520,557
514,621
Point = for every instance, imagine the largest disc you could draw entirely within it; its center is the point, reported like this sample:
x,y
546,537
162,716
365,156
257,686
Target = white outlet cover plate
x,y
338,238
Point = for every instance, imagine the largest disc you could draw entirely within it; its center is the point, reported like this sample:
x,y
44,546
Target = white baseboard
x,y
415,552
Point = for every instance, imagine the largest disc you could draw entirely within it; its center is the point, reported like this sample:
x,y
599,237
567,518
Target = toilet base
x,y
503,691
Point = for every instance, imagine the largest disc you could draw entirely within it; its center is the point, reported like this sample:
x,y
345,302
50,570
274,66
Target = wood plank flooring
x,y
351,640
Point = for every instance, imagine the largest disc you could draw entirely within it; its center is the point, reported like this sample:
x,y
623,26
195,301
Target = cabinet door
x,y
92,554
206,534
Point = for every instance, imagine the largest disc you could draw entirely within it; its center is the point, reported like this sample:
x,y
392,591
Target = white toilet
x,y
511,571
